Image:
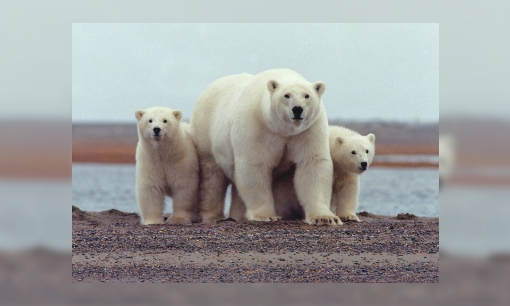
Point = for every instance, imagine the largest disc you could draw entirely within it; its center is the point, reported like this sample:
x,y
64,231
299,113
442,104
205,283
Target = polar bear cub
x,y
248,127
166,164
351,153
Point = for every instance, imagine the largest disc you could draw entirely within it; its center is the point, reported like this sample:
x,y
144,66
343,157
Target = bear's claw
x,y
350,218
327,220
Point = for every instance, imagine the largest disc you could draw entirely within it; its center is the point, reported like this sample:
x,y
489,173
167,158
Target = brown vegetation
x,y
100,152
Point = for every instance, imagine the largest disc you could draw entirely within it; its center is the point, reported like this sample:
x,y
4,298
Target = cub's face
x,y
158,123
297,105
353,154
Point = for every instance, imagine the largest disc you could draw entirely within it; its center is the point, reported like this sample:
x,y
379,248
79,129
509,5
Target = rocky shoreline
x,y
111,246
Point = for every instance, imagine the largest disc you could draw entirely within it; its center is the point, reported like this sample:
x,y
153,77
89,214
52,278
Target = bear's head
x,y
157,123
296,103
353,153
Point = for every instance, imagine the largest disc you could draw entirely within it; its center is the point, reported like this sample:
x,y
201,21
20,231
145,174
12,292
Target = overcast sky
x,y
371,71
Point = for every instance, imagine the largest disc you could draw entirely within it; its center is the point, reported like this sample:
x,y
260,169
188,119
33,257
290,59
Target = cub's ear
x,y
177,114
139,113
339,140
319,88
371,137
272,85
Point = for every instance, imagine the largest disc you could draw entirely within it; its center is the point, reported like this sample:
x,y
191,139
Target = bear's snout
x,y
156,131
297,111
364,165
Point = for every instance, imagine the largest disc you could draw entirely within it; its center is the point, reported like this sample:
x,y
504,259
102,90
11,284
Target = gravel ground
x,y
111,246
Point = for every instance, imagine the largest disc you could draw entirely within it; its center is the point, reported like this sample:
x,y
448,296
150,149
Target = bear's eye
x,y
353,152
150,121
287,96
307,96
164,121
367,151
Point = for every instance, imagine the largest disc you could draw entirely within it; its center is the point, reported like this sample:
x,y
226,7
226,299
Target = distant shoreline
x,y
101,152
116,143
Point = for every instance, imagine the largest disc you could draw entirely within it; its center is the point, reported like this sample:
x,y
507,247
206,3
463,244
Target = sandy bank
x,y
111,246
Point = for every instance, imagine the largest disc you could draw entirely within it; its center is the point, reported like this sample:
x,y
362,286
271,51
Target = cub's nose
x,y
297,111
364,165
156,131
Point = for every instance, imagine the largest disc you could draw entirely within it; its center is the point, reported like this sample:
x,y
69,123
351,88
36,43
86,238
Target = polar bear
x,y
351,153
166,164
247,128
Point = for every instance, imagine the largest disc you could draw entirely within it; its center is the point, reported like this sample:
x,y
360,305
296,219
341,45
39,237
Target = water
x,y
474,220
35,213
384,191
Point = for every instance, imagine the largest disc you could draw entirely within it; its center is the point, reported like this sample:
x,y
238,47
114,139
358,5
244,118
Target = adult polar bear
x,y
248,128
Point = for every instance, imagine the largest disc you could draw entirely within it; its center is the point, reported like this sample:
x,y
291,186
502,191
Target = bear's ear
x,y
272,85
177,114
319,88
339,140
371,137
139,113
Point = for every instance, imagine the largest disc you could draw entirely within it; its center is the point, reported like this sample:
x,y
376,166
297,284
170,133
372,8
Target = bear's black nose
x,y
156,131
297,111
364,165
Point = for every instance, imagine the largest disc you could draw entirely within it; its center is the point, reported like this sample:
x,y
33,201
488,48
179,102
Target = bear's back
x,y
335,131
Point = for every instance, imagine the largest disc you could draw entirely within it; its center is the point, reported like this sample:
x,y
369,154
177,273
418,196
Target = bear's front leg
x,y
313,184
345,197
253,183
151,201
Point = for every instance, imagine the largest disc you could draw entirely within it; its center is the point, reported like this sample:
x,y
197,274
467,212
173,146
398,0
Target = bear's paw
x,y
349,217
154,221
263,218
324,220
212,218
178,220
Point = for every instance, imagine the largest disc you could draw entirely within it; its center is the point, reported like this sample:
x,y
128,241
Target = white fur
x,y
244,131
347,169
165,165
447,154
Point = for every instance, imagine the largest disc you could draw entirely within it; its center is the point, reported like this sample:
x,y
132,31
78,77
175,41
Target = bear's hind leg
x,y
183,182
213,188
237,209
185,203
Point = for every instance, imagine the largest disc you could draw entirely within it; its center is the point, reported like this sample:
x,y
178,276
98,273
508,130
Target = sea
x,y
384,191
473,219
